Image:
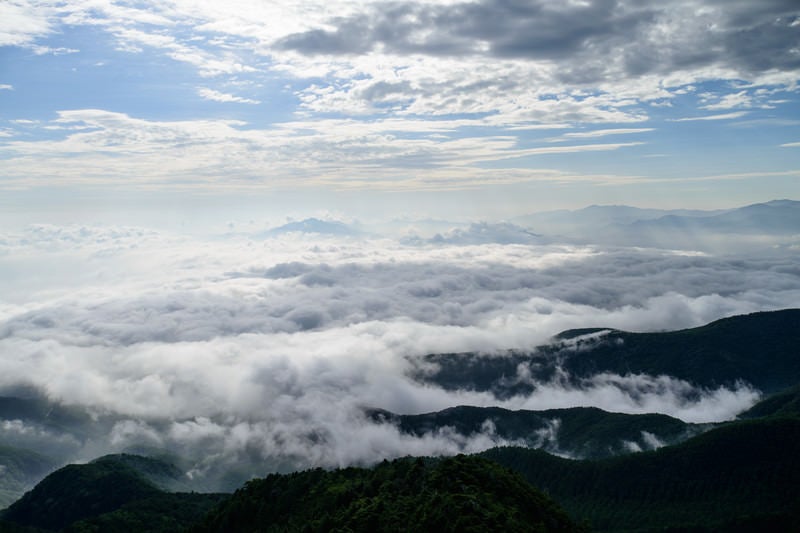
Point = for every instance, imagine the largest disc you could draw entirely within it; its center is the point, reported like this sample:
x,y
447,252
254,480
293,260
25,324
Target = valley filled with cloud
x,y
240,348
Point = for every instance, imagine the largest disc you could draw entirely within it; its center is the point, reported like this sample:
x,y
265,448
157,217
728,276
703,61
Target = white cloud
x,y
210,94
729,101
6,87
22,22
434,58
603,133
644,394
723,116
225,348
42,50
332,153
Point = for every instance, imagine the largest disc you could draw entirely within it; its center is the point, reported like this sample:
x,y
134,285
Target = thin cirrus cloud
x,y
162,152
383,77
599,133
721,116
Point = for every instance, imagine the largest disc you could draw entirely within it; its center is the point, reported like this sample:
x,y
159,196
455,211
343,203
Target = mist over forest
x,y
268,350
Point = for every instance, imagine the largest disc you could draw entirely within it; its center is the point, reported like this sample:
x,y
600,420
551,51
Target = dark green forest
x,y
759,348
738,472
739,476
112,493
583,432
415,494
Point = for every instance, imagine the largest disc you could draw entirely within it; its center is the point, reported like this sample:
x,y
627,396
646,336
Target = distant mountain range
x,y
775,215
765,224
769,225
606,215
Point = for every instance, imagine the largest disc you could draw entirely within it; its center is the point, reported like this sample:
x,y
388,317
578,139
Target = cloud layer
x,y
270,350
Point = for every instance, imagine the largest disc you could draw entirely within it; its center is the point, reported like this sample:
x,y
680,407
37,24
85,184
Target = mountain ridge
x,y
764,226
720,353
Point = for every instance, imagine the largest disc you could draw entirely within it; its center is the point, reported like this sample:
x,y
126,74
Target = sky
x,y
173,112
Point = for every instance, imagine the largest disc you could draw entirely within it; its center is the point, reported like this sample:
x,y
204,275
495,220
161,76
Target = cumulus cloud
x,y
55,442
22,22
217,96
596,60
538,30
483,232
402,72
597,44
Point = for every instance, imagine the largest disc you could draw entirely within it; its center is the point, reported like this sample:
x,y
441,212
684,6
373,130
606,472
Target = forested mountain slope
x,y
760,349
738,474
454,494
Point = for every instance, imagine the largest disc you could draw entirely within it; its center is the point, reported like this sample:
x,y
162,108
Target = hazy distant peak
x,y
314,225
766,226
782,203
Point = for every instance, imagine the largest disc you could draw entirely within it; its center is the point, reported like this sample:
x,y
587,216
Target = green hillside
x,y
784,403
760,349
162,513
19,469
738,474
582,432
455,494
112,493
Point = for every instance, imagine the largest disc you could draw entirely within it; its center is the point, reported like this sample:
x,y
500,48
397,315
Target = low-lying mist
x,y
263,354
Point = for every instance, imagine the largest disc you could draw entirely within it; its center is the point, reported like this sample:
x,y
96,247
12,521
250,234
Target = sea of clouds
x,y
267,350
